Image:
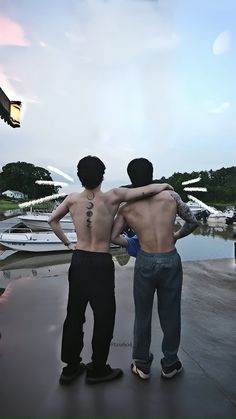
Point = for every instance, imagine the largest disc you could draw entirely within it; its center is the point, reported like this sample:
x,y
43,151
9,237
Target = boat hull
x,y
37,242
38,222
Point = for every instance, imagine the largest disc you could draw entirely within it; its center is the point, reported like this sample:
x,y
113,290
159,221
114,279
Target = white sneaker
x,y
169,372
139,372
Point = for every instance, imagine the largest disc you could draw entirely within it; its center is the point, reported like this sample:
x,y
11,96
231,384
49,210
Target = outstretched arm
x,y
133,194
186,214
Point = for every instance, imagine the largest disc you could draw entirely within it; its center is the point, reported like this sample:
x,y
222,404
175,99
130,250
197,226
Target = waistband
x,y
158,255
88,254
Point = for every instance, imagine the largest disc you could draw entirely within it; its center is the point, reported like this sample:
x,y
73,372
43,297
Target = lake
x,y
206,242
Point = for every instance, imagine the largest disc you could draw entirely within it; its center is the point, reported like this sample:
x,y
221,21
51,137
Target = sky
x,y
120,79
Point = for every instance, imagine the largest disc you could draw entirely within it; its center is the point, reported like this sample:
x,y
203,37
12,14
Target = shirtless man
x,y
91,273
157,268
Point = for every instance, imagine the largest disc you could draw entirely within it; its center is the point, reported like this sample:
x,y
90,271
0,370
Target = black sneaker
x,y
107,374
169,372
70,373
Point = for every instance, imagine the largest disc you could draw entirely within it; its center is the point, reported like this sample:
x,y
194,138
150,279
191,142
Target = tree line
x,y
21,176
220,184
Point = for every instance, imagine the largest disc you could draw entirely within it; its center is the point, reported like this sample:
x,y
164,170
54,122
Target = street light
x,y
9,110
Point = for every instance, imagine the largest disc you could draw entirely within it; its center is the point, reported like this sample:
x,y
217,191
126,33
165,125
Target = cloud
x,y
114,88
74,38
223,107
114,31
43,44
221,44
11,33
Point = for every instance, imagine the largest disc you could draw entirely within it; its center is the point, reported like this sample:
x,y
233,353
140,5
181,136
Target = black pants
x,y
91,280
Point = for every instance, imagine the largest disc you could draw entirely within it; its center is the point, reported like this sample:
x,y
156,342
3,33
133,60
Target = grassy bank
x,y
5,205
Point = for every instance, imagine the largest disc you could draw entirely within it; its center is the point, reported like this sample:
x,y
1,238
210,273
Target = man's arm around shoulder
x,y
130,194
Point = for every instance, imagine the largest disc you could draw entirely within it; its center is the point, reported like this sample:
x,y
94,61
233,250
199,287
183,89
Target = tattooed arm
x,y
186,214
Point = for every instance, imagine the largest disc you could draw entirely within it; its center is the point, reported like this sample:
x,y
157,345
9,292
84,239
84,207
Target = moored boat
x,y
35,241
45,241
39,221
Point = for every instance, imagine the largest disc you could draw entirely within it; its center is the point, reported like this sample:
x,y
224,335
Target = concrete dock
x,y
32,311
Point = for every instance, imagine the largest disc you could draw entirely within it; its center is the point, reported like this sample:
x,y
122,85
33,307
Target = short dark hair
x,y
90,171
140,172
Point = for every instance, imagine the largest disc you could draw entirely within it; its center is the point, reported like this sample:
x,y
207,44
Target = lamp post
x,y
9,110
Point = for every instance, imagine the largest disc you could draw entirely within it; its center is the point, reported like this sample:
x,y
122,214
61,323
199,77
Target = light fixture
x,y
15,108
9,110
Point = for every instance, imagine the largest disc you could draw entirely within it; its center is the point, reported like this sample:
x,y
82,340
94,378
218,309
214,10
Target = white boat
x,y
39,221
45,241
217,218
195,208
35,241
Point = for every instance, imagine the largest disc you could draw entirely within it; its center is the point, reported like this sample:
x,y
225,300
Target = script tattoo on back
x,y
183,210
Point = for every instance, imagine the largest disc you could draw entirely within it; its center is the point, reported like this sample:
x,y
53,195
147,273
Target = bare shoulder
x,y
174,195
74,196
112,195
164,196
183,209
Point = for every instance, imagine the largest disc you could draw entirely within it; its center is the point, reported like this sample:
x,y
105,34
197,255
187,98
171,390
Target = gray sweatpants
x,y
160,272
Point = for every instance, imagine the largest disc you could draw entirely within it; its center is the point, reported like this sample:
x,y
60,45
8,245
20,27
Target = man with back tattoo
x,y
158,268
91,273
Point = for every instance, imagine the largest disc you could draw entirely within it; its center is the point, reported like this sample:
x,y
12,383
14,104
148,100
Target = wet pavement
x,y
32,311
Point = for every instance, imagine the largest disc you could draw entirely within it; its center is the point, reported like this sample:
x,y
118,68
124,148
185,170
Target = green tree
x,y
21,176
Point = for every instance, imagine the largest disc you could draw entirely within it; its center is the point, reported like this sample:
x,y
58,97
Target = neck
x,y
94,191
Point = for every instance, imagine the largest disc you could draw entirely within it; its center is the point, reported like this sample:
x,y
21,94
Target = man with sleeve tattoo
x,y
158,268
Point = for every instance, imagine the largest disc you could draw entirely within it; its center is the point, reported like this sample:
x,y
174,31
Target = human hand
x,y
71,246
169,187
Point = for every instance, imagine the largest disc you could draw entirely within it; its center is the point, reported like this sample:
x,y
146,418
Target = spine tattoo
x,y
89,206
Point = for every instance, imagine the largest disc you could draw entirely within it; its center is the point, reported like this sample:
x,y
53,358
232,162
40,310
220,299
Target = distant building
x,y
14,194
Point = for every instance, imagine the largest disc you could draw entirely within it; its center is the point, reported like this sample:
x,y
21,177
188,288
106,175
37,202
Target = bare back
x,y
93,215
153,220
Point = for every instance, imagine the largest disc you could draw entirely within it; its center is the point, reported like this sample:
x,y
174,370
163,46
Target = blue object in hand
x,y
133,246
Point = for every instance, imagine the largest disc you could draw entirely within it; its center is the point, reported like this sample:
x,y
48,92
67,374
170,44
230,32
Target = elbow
x,y
51,221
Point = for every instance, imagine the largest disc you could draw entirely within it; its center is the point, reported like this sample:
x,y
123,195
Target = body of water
x,y
206,242
198,247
